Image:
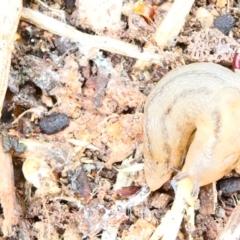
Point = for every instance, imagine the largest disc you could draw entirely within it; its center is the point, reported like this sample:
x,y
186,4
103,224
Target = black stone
x,y
224,23
54,123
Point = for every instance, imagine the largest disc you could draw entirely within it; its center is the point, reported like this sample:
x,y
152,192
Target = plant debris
x,y
72,163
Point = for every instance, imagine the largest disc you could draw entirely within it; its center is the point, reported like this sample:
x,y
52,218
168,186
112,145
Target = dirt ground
x,y
73,117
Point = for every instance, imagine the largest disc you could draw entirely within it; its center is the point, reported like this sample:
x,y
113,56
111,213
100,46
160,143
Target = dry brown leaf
x,y
145,10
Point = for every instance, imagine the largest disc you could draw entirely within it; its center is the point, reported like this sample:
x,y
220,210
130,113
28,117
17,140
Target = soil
x,y
81,120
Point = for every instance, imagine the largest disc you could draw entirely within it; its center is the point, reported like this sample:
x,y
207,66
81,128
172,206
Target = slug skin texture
x,y
203,98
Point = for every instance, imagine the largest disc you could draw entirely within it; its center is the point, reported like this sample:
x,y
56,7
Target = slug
x,y
194,111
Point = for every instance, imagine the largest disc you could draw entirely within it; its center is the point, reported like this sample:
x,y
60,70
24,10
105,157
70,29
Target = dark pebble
x,y
224,23
229,186
54,123
70,3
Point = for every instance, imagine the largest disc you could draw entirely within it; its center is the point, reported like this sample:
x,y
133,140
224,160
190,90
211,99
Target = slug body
x,y
203,98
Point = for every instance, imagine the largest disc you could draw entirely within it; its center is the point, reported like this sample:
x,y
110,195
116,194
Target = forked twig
x,y
94,41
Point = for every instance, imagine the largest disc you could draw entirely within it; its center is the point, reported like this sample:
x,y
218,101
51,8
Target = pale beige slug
x,y
204,97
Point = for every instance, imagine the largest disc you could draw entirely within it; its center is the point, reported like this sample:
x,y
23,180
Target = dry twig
x,y
100,42
10,13
170,27
232,228
173,22
7,193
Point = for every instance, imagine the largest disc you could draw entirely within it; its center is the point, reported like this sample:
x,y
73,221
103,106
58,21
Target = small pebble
x,y
54,123
204,17
229,186
220,212
224,23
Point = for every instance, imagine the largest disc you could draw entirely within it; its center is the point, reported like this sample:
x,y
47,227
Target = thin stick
x,y
169,28
57,12
10,12
7,193
173,22
170,225
100,42
232,228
